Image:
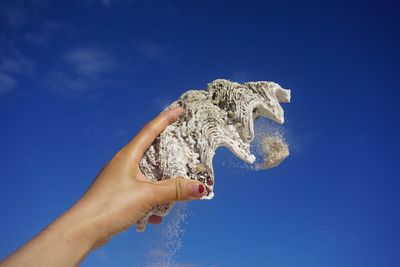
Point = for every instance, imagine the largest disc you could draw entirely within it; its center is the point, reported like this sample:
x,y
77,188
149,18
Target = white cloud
x,y
10,67
67,85
7,83
14,16
16,63
82,72
89,62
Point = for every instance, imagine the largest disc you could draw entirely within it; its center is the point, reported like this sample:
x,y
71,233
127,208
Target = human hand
x,y
119,197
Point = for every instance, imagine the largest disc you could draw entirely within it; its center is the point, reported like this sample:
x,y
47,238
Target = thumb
x,y
178,189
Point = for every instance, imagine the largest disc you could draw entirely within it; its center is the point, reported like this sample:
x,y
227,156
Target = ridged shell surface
x,y
221,115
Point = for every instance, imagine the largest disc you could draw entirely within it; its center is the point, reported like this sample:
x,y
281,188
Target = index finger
x,y
141,142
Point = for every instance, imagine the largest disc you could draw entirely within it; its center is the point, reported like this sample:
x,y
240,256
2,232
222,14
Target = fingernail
x,y
175,112
201,188
198,190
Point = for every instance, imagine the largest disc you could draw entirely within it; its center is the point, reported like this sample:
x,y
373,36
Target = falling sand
x,y
163,253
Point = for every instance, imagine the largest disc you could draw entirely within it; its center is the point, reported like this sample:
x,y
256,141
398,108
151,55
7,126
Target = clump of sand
x,y
275,150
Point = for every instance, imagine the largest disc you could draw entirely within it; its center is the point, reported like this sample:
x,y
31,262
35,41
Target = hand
x,y
119,197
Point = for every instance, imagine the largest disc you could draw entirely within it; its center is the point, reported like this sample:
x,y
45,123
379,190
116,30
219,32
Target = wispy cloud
x,y
67,85
7,83
16,63
89,62
81,70
12,66
14,16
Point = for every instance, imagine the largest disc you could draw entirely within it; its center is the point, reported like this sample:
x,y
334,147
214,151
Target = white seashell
x,y
221,115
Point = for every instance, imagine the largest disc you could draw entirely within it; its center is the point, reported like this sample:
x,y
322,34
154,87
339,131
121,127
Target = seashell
x,y
221,115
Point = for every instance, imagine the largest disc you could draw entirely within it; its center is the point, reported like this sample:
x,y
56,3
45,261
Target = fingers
x,y
178,189
138,146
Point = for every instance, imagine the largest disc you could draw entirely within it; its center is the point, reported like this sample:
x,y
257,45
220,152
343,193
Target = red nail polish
x,y
201,188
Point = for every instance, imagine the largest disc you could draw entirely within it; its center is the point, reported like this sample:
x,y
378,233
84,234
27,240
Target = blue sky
x,y
78,79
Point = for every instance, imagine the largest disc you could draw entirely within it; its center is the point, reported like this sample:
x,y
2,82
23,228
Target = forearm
x,y
65,242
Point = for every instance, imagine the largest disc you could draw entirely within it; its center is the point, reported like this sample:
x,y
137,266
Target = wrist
x,y
77,229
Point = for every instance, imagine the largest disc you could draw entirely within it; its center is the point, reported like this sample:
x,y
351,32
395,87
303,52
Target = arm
x,y
119,197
